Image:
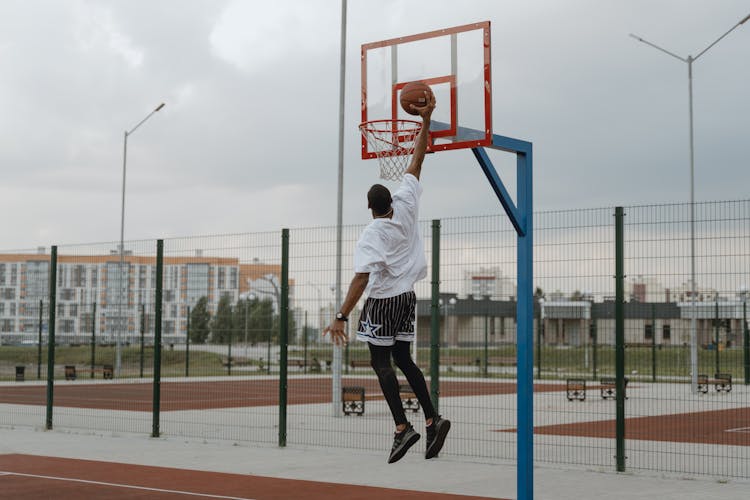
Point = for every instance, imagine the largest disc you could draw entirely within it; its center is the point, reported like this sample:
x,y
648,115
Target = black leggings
x,y
380,359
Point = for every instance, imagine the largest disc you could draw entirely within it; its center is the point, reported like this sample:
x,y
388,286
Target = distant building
x,y
94,286
468,322
489,282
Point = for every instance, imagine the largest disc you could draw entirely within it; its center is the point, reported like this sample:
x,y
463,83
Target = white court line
x,y
130,486
739,429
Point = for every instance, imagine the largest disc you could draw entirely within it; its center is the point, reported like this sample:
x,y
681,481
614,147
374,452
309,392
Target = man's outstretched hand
x,y
337,330
425,111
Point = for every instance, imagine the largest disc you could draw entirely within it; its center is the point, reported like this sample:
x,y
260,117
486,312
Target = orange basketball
x,y
414,93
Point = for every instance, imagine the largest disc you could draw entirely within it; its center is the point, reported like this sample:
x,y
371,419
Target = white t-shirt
x,y
391,250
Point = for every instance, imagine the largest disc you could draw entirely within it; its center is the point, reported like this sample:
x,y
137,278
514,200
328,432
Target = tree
x,y
241,319
262,320
222,324
255,318
200,319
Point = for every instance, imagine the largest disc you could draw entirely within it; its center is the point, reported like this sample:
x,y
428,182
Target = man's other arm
x,y
420,146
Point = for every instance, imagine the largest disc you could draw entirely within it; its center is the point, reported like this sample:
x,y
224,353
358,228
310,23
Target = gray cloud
x,y
248,139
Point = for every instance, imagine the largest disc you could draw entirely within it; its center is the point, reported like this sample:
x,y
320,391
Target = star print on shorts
x,y
368,328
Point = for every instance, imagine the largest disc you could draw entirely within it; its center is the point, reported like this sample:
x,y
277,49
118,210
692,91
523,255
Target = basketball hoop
x,y
392,141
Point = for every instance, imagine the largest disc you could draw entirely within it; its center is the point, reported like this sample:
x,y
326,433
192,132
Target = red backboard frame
x,y
453,129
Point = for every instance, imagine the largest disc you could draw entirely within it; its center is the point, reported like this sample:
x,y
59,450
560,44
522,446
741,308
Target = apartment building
x,y
97,294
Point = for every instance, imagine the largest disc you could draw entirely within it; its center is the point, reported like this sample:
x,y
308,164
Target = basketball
x,y
414,93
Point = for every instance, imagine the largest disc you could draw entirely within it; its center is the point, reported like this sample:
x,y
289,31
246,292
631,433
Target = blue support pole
x,y
525,333
521,216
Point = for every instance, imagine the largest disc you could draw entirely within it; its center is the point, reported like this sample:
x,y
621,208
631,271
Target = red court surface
x,y
722,427
26,477
224,394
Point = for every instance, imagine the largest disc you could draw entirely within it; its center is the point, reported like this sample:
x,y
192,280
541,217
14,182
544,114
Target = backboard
x,y
455,62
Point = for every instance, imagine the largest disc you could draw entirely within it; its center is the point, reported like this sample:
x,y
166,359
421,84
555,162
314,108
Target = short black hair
x,y
379,199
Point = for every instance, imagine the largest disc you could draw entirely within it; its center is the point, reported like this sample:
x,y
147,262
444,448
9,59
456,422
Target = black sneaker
x,y
436,436
402,441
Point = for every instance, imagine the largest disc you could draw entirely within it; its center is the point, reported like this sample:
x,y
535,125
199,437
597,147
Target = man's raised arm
x,y
420,146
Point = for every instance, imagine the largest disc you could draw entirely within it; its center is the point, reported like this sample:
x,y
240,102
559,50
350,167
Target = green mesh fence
x,y
220,364
224,294
24,309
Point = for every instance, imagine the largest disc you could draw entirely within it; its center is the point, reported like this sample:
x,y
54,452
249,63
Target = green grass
x,y
556,362
172,362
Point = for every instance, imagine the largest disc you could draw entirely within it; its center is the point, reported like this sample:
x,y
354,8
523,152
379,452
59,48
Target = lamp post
x,y
690,60
118,354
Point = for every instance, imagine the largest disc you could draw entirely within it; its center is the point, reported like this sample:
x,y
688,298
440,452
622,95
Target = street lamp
x,y
689,60
118,355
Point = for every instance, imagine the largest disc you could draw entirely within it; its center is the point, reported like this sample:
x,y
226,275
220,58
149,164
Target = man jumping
x,y
388,260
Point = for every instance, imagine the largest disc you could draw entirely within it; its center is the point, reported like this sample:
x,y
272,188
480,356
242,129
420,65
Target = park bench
x,y
722,382
608,387
353,400
298,362
452,361
575,389
408,398
71,372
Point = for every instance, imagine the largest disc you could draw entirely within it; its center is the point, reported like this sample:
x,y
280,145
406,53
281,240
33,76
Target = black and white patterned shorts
x,y
384,321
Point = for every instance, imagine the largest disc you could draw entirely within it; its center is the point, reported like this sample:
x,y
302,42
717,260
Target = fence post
x,y
435,317
187,343
716,336
157,336
594,344
51,338
746,343
620,337
143,340
39,343
229,353
268,354
653,342
539,327
283,334
486,341
93,338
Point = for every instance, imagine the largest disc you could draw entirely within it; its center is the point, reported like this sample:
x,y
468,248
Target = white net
x,y
393,143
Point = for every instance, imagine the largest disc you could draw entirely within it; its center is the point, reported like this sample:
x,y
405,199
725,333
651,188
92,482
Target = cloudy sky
x,y
248,139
